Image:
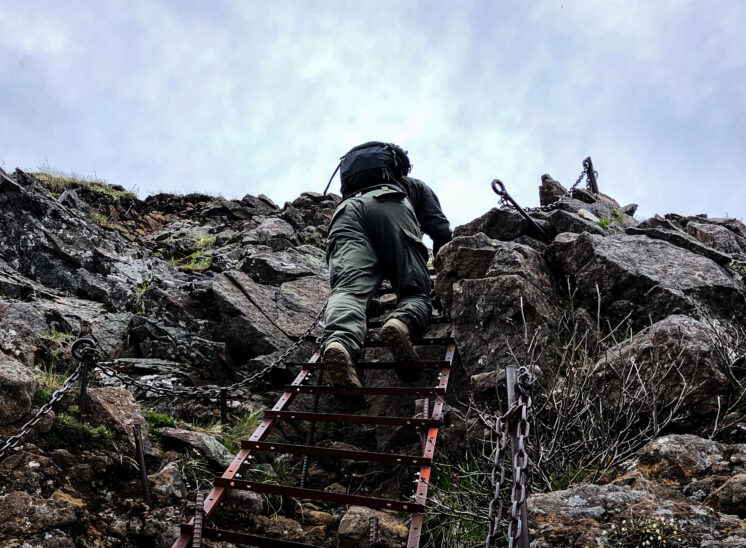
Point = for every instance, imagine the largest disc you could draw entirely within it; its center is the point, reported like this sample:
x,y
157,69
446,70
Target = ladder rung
x,y
368,390
312,451
433,320
351,419
436,364
428,341
251,540
324,496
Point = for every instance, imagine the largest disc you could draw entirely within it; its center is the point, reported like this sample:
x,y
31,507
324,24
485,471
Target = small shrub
x,y
241,430
139,293
196,262
206,241
196,470
100,219
156,421
68,432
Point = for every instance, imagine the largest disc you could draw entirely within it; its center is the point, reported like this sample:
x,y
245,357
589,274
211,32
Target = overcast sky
x,y
237,97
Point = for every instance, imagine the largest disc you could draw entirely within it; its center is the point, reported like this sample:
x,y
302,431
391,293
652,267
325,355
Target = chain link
x,y
554,205
13,441
87,352
517,418
211,391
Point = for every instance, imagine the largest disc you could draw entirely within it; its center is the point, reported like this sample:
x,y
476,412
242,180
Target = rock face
x,y
186,290
646,278
677,358
17,386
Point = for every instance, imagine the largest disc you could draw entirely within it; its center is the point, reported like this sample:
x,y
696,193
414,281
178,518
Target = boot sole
x,y
338,365
403,350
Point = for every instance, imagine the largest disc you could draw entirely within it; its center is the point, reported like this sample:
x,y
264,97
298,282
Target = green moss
x,y
68,432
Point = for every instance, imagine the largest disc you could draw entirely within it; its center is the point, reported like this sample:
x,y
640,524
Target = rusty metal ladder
x,y
192,532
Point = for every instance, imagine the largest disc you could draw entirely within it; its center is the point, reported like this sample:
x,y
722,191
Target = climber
x,y
375,234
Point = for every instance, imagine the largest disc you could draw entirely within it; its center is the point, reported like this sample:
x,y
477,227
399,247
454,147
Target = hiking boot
x,y
395,334
342,373
339,366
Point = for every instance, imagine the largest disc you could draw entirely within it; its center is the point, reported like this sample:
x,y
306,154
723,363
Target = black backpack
x,y
372,155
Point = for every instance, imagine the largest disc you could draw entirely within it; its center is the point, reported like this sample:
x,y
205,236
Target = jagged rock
x,y
266,266
678,459
244,505
719,237
115,408
500,224
679,342
550,190
272,232
208,446
17,387
288,529
593,515
681,239
730,498
649,279
509,285
22,514
564,221
168,484
70,198
354,529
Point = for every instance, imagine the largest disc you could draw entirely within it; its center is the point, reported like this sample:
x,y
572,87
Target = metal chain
x,y
520,459
89,354
517,417
554,205
493,519
211,391
13,441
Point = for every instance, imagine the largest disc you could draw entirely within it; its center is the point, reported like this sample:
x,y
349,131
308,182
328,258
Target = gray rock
x,y
17,387
272,232
489,287
22,514
683,240
354,529
730,498
718,237
115,408
564,221
500,224
266,266
647,278
681,342
550,190
592,515
168,484
208,446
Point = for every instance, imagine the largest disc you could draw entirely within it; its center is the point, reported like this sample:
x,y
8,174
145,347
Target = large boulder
x,y
676,358
203,443
720,237
491,289
645,279
628,512
17,387
115,408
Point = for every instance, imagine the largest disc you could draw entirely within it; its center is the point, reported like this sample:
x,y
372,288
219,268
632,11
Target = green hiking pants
x,y
372,236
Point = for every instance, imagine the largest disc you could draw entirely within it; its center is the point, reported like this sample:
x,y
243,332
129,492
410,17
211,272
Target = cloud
x,y
242,97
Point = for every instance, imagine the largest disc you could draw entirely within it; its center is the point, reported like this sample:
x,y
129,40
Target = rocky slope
x,y
634,331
